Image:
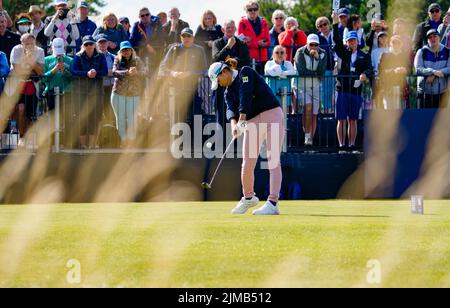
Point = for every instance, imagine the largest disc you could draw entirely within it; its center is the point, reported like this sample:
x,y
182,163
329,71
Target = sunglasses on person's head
x,y
253,9
145,15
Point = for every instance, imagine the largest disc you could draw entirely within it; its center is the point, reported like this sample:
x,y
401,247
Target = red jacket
x,y
246,29
291,38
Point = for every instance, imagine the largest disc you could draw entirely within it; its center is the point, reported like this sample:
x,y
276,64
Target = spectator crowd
x,y
101,72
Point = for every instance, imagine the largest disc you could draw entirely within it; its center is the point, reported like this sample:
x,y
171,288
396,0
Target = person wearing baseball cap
x,y
432,64
383,47
344,15
125,22
89,67
253,110
356,69
57,73
310,60
85,25
433,21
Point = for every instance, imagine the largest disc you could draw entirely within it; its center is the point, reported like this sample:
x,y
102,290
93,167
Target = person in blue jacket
x,y
4,70
254,111
89,66
85,25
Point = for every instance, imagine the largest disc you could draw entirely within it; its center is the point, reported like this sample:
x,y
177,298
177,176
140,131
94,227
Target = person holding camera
x,y
378,26
57,72
60,25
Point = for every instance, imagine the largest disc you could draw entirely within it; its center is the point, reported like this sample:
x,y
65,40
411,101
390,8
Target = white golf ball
x,y
209,145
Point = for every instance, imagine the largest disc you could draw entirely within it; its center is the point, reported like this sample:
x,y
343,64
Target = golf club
x,y
206,185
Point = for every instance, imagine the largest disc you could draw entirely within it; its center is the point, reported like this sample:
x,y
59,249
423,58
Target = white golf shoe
x,y
244,205
267,209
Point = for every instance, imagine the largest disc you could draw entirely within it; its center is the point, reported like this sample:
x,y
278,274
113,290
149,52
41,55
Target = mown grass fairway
x,y
313,244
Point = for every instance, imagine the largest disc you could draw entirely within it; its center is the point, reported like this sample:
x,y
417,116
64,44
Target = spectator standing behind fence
x,y
89,66
8,39
173,27
57,74
102,48
378,25
125,22
444,30
383,46
395,66
254,30
61,26
27,62
292,38
432,64
311,63
279,70
38,27
4,70
326,43
148,39
344,15
356,68
128,71
185,63
433,22
231,46
84,24
208,32
401,29
278,18
162,17
23,23
114,32
355,24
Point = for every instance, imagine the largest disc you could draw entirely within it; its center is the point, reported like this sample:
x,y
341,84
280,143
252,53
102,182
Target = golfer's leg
x,y
274,141
251,150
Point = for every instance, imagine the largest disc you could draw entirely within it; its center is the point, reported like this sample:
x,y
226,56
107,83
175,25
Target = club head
x,y
206,185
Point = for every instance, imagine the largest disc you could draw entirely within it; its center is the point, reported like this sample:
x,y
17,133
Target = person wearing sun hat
x,y
38,26
129,71
23,23
356,68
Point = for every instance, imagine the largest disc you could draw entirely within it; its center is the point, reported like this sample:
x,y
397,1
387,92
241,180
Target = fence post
x,y
284,94
57,120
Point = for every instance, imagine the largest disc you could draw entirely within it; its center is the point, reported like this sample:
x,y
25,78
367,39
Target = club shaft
x,y
221,161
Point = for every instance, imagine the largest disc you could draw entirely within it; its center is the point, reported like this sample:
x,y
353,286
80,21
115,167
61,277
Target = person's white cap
x,y
58,2
58,47
214,71
313,39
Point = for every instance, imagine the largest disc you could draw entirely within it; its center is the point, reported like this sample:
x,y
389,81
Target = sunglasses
x,y
323,25
89,44
253,10
145,15
313,45
279,18
280,53
434,11
186,36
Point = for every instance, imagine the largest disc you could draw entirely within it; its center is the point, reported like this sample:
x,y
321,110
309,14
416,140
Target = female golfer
x,y
254,111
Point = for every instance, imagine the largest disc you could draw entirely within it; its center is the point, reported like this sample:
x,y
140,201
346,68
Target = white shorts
x,y
308,96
